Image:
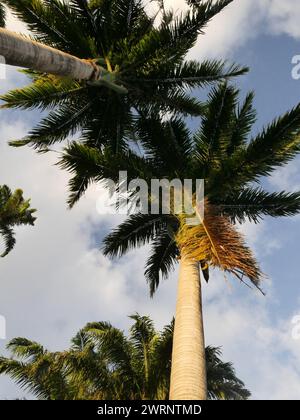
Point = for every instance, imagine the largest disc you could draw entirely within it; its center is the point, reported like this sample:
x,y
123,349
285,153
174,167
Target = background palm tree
x,y
147,58
222,383
103,363
221,153
14,211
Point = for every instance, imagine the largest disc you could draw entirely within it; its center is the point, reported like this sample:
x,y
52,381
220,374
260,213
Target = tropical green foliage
x,y
14,211
103,363
220,152
146,53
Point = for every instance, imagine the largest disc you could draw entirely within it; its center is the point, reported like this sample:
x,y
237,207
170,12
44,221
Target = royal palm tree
x,y
136,52
231,165
104,363
14,211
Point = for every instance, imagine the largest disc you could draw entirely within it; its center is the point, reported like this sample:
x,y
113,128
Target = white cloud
x,y
287,177
284,17
264,352
229,30
241,21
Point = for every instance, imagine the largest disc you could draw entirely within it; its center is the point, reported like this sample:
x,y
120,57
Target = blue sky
x,y
269,58
56,280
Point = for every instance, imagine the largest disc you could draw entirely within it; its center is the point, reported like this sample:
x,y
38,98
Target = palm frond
x,y
277,145
20,373
24,348
84,13
137,230
254,203
212,140
103,130
190,74
185,28
54,23
126,15
8,238
57,126
92,165
142,332
86,164
173,153
242,124
113,345
223,383
46,92
161,361
175,102
162,258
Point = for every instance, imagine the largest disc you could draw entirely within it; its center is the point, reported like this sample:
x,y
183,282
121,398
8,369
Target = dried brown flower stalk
x,y
217,242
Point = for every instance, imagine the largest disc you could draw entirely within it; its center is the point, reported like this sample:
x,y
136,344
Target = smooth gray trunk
x,y
188,372
23,52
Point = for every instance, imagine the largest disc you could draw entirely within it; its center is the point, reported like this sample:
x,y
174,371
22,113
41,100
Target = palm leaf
x,y
57,126
223,383
212,140
8,239
24,348
171,155
137,230
92,165
277,145
243,122
162,258
20,373
254,203
45,92
54,23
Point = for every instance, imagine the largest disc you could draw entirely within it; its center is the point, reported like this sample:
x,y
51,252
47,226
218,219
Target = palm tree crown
x,y
146,57
221,153
14,211
103,363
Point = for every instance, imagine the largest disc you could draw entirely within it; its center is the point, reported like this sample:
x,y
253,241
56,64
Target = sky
x,y
56,279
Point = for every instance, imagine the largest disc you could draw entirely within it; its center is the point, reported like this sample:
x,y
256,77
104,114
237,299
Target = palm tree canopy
x,y
14,211
222,153
146,56
104,363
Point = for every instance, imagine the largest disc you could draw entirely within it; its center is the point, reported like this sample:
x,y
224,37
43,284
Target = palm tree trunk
x,y
23,52
188,373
